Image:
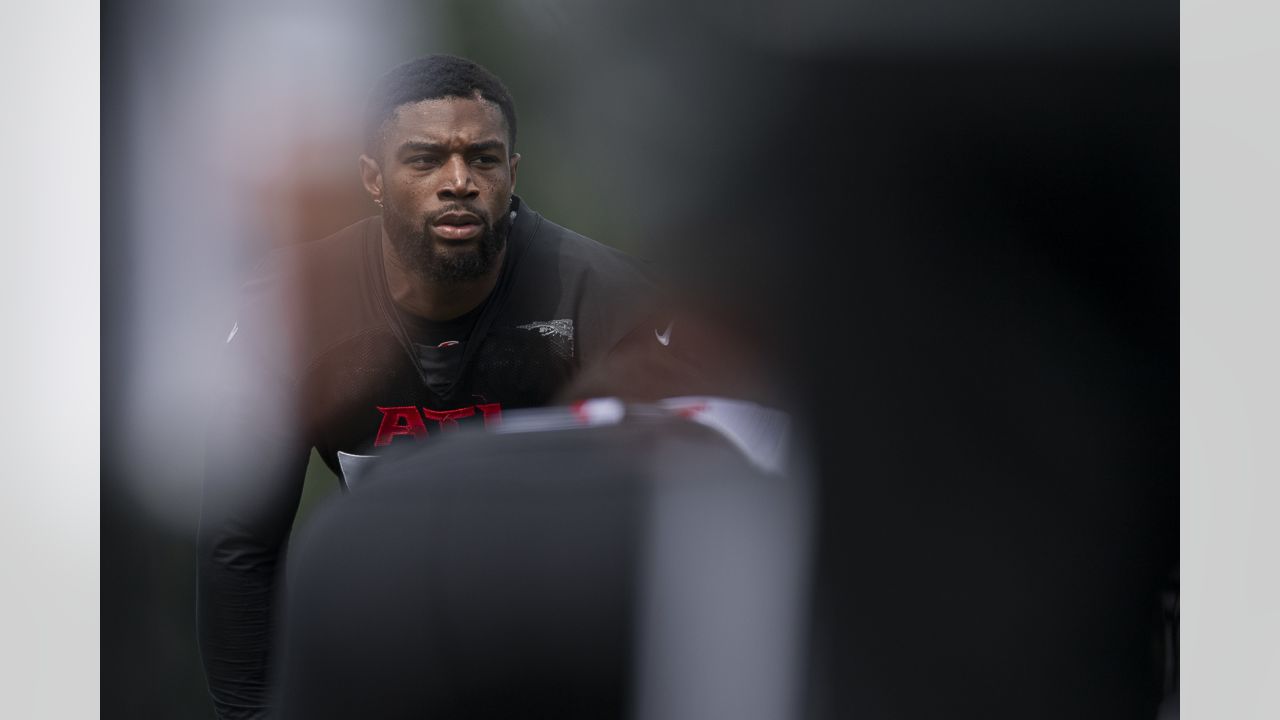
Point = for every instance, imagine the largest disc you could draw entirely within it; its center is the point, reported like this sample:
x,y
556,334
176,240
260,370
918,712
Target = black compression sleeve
x,y
255,462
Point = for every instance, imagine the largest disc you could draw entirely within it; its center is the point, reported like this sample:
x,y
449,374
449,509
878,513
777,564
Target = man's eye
x,y
422,161
486,160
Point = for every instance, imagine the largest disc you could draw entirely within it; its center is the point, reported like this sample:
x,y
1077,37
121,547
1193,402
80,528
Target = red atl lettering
x,y
408,420
492,413
400,420
448,419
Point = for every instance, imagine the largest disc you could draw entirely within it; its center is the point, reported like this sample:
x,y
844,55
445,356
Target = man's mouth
x,y
457,226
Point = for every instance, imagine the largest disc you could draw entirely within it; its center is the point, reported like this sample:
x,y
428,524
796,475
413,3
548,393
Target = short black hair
x,y
429,78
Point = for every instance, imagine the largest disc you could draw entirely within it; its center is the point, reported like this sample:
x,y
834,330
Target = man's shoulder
x,y
325,277
580,255
339,253
605,291
304,298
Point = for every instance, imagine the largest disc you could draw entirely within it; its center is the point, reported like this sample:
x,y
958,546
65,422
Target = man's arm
x,y
255,462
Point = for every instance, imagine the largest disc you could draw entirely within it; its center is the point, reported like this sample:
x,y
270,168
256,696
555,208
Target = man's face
x,y
444,173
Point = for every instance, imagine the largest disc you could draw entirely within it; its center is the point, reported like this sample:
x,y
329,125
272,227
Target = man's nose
x,y
457,180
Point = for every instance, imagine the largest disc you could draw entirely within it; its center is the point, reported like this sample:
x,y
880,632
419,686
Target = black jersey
x,y
321,358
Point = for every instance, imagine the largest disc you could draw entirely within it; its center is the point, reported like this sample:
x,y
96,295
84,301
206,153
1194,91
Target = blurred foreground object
x,y
632,565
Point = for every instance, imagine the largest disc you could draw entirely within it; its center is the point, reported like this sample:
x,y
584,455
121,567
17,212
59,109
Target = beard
x,y
421,253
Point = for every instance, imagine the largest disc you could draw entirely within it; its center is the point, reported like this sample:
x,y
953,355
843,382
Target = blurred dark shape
x,y
643,569
967,256
965,244
996,415
464,589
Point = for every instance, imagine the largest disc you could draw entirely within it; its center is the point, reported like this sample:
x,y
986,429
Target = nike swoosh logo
x,y
234,329
665,336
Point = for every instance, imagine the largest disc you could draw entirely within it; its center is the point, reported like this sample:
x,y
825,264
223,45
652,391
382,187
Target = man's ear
x,y
371,176
515,162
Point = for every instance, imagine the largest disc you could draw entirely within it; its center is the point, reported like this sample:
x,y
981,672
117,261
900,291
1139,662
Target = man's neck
x,y
435,300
